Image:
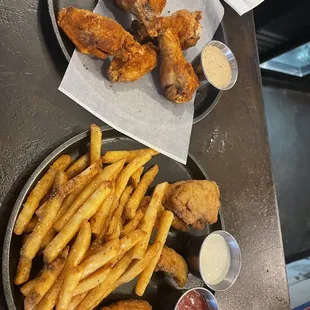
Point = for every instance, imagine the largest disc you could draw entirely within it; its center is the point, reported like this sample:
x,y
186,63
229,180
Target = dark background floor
x,y
288,120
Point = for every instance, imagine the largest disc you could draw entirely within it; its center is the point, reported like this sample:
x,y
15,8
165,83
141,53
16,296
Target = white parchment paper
x,y
139,109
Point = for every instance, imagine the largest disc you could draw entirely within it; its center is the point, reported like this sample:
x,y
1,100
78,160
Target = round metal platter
x,y
161,289
207,96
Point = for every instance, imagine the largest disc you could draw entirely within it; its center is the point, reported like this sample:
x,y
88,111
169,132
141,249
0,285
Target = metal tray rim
x,y
18,203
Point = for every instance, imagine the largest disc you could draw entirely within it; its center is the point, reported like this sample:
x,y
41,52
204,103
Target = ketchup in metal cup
x,y
192,301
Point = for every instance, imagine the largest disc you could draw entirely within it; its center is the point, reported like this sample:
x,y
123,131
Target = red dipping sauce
x,y
192,301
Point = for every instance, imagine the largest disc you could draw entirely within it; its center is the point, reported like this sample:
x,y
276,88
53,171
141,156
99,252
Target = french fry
x,y
161,237
27,287
135,178
132,224
39,191
78,166
81,179
95,143
47,239
104,254
113,156
85,212
68,202
93,280
76,300
40,211
76,255
137,196
138,266
60,179
95,296
45,281
128,171
116,232
23,270
99,219
35,239
107,174
127,243
32,224
117,218
149,219
70,283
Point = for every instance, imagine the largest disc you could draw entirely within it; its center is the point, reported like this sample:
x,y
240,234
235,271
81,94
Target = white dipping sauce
x,y
214,259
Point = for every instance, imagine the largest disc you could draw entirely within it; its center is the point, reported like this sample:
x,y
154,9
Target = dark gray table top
x,y
231,143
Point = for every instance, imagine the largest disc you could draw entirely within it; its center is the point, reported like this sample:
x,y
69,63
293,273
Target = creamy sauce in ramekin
x,y
216,66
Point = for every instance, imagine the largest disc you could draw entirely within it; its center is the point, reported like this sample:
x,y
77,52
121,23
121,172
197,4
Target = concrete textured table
x,y
231,143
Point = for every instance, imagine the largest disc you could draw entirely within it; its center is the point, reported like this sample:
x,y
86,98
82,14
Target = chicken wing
x,y
174,264
194,202
143,11
97,35
134,68
133,304
185,23
177,77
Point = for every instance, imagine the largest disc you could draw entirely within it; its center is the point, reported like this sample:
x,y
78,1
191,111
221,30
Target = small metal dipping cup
x,y
194,260
203,77
206,294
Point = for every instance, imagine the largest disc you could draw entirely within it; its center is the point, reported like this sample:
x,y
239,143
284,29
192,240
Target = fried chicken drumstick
x,y
185,23
177,77
97,35
145,11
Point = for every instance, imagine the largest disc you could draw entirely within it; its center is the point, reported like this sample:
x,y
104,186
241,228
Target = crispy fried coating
x,y
174,264
177,77
97,35
129,305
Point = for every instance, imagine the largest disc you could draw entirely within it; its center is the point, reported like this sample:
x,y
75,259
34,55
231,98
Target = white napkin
x,y
243,6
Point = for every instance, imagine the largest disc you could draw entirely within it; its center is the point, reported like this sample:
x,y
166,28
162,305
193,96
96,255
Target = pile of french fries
x,y
91,222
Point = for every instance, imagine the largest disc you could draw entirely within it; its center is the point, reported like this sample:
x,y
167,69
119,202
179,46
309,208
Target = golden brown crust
x,y
194,202
174,264
129,305
134,68
177,77
97,35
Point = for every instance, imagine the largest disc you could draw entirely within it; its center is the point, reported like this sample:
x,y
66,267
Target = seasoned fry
x,y
132,224
95,296
47,239
76,300
76,255
149,219
86,211
23,270
99,219
93,280
161,236
113,156
40,211
77,167
135,178
35,239
128,171
117,218
128,242
116,233
45,281
107,174
138,266
104,254
32,224
27,287
81,179
137,196
95,143
60,179
68,202
39,191
70,283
